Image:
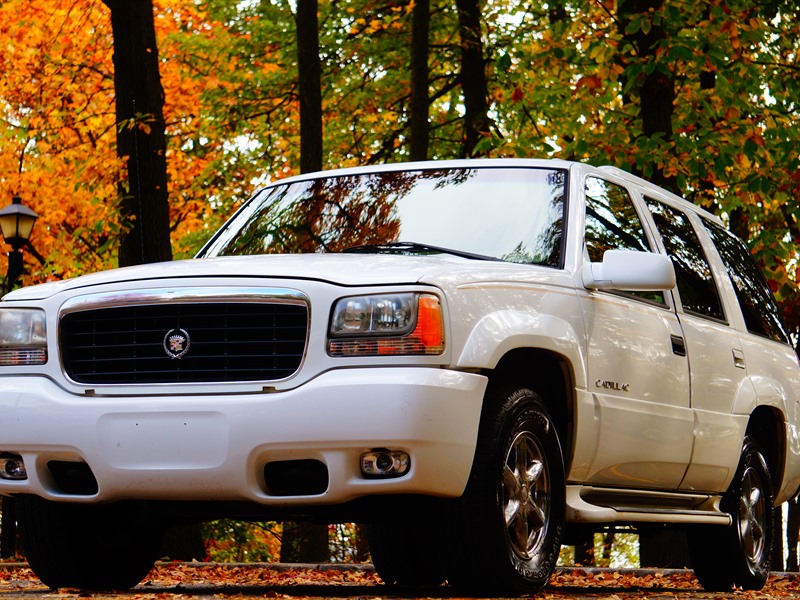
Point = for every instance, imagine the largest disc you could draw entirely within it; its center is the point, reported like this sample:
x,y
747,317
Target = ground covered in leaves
x,y
198,581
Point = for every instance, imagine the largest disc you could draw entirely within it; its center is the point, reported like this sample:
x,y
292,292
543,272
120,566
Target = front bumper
x,y
215,447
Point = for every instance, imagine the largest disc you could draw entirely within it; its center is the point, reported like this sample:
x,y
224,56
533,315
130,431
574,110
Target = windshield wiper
x,y
413,248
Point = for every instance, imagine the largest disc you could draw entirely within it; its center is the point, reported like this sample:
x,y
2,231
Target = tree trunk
x,y
792,534
473,77
141,141
584,548
304,542
777,547
419,119
656,89
307,542
8,528
309,85
662,547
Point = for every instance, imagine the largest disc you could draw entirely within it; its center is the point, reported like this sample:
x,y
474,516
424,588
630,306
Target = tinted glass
x,y
755,298
515,214
612,223
611,220
699,294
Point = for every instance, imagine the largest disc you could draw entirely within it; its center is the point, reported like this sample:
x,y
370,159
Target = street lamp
x,y
16,223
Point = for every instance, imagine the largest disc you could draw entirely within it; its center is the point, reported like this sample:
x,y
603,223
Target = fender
x,y
746,398
770,392
758,390
502,331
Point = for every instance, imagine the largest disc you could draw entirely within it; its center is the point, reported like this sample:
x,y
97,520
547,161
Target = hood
x,y
340,269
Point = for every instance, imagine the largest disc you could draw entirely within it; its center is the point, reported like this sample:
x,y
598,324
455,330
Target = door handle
x,y
678,345
738,358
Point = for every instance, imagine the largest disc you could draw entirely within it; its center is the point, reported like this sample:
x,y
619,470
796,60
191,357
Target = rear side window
x,y
758,306
696,286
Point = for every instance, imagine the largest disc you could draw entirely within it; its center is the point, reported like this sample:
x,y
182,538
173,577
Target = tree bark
x,y
307,542
141,139
304,542
657,88
8,530
420,103
473,76
792,535
309,85
662,547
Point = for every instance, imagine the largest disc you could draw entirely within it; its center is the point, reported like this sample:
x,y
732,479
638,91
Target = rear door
x,y
713,347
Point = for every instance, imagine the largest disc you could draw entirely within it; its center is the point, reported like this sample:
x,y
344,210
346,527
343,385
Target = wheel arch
x,y
504,332
551,376
766,425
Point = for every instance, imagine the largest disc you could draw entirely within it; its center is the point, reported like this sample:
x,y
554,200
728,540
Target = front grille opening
x,y
75,478
184,343
296,477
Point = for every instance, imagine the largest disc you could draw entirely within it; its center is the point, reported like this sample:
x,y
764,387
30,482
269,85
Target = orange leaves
x,y
180,580
260,575
591,83
57,122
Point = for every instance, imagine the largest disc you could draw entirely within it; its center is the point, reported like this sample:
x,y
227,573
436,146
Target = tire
x,y
93,547
408,551
512,512
739,554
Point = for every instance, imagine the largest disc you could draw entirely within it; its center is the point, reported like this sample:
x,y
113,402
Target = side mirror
x,y
630,271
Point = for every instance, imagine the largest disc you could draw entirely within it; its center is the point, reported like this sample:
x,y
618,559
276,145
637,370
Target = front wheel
x,y
88,546
739,554
512,512
410,549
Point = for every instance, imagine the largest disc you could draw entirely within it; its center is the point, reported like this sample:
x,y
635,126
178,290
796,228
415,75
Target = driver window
x,y
612,223
611,220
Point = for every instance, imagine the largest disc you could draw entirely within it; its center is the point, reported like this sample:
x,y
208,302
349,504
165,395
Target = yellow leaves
x,y
610,72
381,116
732,113
394,20
744,162
57,123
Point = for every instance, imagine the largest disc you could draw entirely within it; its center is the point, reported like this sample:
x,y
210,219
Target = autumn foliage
x,y
336,581
571,80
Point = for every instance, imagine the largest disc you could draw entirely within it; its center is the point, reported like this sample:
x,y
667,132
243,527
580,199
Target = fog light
x,y
12,466
382,463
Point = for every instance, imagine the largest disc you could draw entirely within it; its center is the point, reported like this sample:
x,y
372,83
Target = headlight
x,y
386,324
23,338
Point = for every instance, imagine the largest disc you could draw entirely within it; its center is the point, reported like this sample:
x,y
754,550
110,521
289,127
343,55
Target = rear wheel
x,y
87,546
739,554
513,509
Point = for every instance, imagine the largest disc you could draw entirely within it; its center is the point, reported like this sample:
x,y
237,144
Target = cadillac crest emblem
x,y
176,343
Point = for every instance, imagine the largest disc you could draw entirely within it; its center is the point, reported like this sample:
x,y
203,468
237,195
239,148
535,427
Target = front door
x,y
637,365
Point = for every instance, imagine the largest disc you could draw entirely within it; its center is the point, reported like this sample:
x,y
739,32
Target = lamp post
x,y
16,223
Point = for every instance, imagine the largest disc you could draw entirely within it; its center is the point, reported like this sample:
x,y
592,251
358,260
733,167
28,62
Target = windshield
x,y
511,214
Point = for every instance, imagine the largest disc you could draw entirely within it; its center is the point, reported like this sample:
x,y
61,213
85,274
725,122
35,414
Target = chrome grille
x,y
228,341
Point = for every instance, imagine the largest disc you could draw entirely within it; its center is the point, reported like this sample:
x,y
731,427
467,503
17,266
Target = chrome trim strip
x,y
185,295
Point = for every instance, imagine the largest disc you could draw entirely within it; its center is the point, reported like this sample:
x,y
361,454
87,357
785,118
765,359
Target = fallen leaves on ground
x,y
216,580
258,575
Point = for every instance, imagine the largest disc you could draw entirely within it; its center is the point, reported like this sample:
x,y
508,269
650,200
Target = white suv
x,y
467,356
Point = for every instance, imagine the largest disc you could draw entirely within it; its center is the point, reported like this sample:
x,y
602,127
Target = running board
x,y
587,504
